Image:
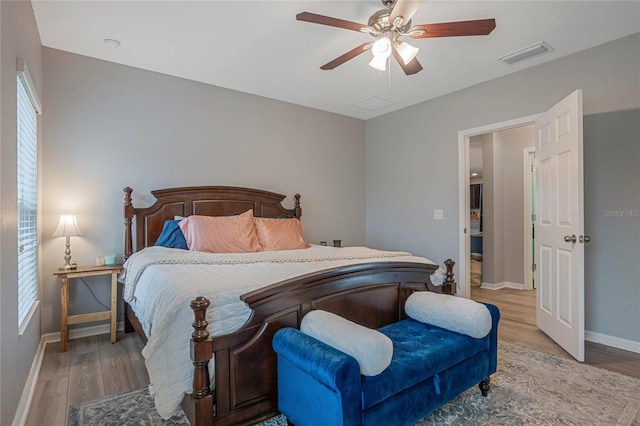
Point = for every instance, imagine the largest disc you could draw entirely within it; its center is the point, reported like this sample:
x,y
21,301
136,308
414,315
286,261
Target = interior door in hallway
x,y
559,248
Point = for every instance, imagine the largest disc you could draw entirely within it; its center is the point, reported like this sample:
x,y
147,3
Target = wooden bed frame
x,y
245,390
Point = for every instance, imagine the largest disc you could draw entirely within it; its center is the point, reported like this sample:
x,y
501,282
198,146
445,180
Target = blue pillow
x,y
172,236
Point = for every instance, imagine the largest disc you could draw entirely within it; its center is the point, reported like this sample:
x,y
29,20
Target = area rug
x,y
530,388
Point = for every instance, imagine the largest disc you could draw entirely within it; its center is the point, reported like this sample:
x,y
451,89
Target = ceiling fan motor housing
x,y
379,21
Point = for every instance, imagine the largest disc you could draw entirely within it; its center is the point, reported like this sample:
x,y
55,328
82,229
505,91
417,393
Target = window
x,y
28,108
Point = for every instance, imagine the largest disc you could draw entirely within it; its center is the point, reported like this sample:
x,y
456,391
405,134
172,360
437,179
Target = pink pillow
x,y
280,234
221,234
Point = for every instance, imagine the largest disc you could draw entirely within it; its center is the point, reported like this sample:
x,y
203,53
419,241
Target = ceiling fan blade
x,y
334,22
404,9
454,29
349,55
412,67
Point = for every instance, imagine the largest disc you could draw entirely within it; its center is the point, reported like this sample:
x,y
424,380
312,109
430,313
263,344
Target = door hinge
x,y
533,217
465,230
533,267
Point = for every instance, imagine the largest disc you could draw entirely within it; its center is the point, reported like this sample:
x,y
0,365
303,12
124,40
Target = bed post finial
x,y
199,355
199,405
128,216
297,207
449,285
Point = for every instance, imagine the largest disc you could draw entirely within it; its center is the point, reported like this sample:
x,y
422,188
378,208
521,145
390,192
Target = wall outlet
x,y
438,214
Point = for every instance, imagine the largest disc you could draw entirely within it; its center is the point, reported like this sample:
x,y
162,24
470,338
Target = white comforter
x,y
160,283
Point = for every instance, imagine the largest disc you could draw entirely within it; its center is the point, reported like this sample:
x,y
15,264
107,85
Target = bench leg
x,y
484,386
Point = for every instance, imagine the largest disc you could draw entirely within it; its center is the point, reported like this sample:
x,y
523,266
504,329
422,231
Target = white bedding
x,y
160,283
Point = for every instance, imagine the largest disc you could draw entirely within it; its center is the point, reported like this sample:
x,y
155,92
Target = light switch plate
x,y
438,214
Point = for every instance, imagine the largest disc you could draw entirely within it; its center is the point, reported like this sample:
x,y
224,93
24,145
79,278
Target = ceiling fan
x,y
391,23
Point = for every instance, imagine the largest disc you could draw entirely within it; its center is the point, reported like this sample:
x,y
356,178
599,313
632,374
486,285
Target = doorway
x,y
501,206
501,266
492,269
559,239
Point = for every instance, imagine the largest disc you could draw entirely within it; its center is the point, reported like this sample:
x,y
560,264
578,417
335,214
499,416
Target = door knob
x,y
585,238
570,238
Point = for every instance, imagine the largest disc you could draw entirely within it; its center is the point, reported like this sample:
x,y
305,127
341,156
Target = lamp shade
x,y
67,227
379,63
407,52
382,48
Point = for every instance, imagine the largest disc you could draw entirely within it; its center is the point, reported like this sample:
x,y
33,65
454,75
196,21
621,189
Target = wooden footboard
x,y
245,364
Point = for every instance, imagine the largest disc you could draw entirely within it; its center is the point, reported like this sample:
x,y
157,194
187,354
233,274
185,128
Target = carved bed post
x,y
200,405
449,285
297,207
128,216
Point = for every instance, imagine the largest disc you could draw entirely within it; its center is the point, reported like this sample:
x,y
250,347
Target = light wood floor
x,y
93,367
518,325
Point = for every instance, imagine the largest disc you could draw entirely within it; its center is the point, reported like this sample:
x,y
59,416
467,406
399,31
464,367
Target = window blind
x,y
27,182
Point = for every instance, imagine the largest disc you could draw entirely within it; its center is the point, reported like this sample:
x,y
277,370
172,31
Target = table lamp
x,y
67,227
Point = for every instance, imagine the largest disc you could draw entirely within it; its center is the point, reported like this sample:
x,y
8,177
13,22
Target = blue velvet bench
x,y
430,366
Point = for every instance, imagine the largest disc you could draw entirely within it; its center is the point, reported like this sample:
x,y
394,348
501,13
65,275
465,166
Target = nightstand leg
x,y
64,313
114,304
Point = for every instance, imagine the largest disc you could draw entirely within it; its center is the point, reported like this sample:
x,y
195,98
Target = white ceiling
x,y
258,47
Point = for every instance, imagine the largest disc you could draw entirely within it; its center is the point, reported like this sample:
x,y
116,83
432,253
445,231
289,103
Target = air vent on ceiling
x,y
526,52
373,103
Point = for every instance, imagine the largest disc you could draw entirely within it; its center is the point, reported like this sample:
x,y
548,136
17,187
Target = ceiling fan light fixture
x,y
407,52
379,63
381,48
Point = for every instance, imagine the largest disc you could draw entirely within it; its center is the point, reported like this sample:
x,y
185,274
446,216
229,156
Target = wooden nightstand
x,y
66,319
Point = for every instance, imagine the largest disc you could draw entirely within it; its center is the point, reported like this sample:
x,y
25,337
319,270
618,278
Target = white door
x,y
559,247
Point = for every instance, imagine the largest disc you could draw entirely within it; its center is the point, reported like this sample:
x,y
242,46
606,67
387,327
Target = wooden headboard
x,y
200,200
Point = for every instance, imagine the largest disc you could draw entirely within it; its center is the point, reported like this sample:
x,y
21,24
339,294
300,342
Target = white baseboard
x,y
29,388
616,342
503,284
79,333
516,286
491,286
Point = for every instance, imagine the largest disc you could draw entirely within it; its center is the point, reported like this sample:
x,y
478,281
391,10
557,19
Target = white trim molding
x,y
79,333
23,73
29,388
616,342
528,208
503,284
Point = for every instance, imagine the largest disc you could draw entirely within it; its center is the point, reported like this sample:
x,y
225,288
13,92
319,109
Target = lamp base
x,y
68,267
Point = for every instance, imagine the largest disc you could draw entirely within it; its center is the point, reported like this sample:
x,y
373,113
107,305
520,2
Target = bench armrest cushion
x,y
452,313
372,349
325,364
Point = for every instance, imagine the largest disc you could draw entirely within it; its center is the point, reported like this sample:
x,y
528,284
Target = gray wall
x,y
512,143
612,219
491,252
19,38
109,126
412,156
